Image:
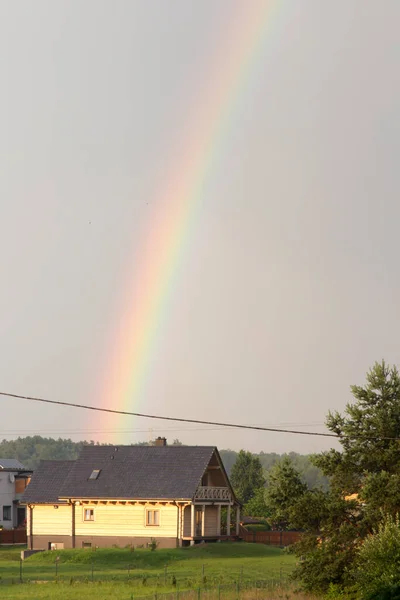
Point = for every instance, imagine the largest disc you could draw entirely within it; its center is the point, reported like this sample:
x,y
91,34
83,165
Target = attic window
x,y
94,474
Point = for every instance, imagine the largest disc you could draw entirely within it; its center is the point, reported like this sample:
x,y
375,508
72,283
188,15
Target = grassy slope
x,y
223,564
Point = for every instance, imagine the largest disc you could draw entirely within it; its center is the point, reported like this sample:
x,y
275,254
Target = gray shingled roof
x,y
140,472
11,463
44,487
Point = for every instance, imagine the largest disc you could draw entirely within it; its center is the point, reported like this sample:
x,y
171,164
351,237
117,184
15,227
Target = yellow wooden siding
x,y
211,521
126,520
48,520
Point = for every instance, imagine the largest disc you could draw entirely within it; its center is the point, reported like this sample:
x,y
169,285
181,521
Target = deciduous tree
x,y
247,476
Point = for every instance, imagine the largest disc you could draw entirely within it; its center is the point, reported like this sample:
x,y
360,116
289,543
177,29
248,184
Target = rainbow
x,y
165,243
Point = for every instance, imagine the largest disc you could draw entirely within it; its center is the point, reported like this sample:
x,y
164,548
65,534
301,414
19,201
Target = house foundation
x,y
60,542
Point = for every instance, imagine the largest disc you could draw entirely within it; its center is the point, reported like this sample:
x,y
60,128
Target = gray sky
x,y
289,288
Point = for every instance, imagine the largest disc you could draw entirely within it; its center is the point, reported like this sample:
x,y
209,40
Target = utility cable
x,y
197,421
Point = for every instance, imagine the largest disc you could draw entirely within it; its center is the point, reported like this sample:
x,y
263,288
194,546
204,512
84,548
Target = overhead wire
x,y
195,421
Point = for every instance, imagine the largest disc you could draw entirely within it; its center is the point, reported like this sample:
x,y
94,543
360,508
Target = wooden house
x,y
130,495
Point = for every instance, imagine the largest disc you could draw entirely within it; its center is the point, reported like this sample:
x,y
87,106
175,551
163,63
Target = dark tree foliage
x,y
310,474
257,506
377,565
247,476
284,488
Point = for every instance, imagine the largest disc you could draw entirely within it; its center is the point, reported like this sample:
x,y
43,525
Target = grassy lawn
x,y
119,573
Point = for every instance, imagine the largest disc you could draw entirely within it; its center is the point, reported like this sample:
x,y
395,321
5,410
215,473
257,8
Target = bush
x,y
391,592
153,544
262,526
377,565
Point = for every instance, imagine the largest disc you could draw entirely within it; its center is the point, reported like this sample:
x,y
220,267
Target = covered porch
x,y
202,519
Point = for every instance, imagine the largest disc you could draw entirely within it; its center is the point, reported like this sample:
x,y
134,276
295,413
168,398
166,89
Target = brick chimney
x,y
160,441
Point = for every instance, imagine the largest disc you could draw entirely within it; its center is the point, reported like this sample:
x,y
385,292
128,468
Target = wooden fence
x,y
13,536
271,538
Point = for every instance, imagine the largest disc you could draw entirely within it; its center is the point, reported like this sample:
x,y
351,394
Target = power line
x,y
197,421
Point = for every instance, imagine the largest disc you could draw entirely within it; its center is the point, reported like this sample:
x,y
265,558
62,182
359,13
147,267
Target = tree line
x,y
31,450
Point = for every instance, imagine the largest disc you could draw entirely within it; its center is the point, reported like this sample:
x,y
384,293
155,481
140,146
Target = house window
x,y
152,518
86,545
6,513
94,474
88,514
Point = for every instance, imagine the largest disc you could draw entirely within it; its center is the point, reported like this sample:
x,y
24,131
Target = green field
x,y
122,574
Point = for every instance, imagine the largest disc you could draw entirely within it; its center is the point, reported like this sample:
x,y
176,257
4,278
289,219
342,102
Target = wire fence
x,y
169,584
249,590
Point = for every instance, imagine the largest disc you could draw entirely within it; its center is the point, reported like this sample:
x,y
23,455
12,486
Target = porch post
x,y
203,520
218,519
31,526
228,520
192,523
237,519
73,525
178,525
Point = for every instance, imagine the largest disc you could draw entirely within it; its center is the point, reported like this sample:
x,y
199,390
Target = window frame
x,y
152,511
85,508
10,512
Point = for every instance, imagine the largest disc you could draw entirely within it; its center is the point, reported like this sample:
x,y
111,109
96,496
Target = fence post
x,y
20,570
199,594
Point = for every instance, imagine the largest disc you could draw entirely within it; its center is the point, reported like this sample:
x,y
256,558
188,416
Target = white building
x,y
13,480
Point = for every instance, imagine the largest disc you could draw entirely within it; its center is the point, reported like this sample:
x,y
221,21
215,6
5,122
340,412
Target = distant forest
x,y
30,450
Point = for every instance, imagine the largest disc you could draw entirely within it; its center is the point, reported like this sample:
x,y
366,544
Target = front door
x,y
21,516
199,522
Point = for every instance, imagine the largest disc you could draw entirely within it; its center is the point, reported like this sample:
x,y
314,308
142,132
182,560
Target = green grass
x,y
221,564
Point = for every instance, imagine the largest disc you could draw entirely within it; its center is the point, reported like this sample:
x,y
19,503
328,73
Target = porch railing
x,y
213,493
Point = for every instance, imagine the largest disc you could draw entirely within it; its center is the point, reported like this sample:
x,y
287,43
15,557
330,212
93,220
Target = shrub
x,y
391,592
153,544
377,566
